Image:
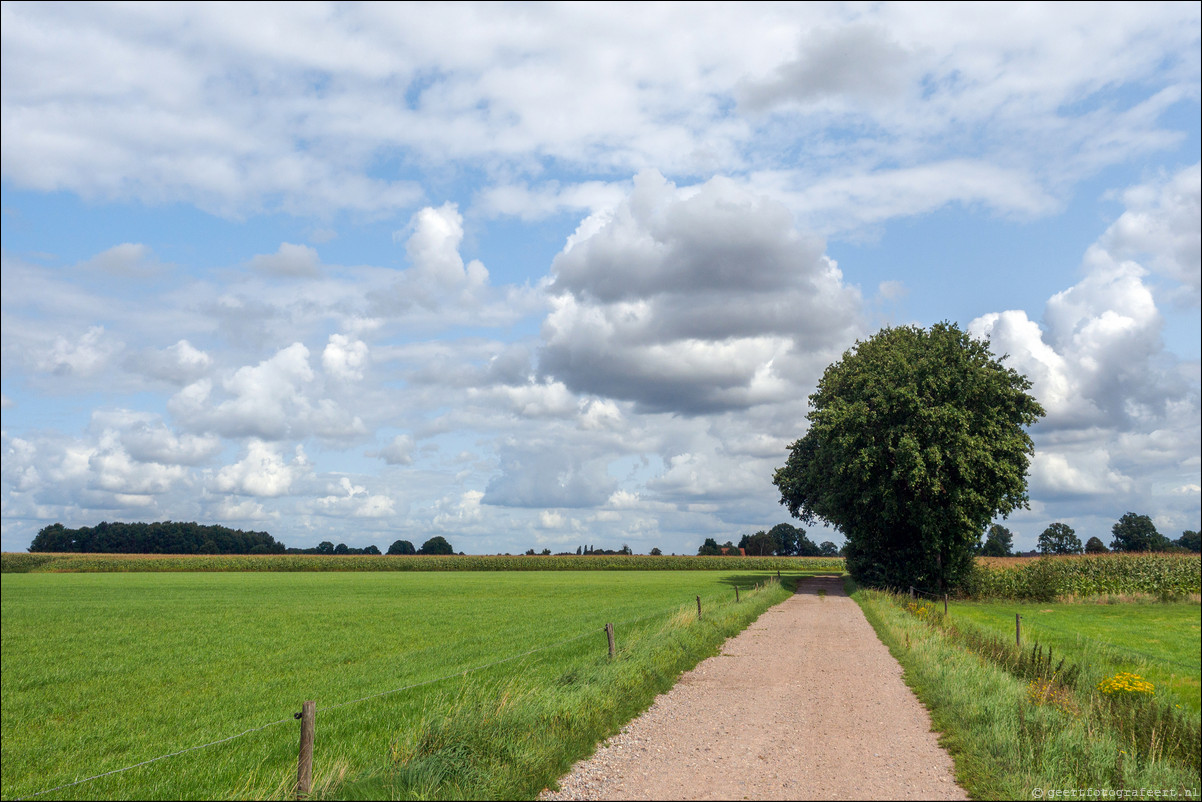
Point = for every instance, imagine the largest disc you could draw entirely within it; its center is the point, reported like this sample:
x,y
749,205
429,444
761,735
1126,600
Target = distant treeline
x,y
161,537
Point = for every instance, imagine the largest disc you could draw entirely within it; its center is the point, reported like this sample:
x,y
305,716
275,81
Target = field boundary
x,y
45,562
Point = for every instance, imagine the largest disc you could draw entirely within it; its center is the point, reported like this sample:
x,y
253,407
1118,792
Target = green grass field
x,y
102,671
1160,641
1018,736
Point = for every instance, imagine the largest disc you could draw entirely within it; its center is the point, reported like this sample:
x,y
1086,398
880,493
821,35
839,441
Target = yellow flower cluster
x,y
1125,683
919,609
1049,692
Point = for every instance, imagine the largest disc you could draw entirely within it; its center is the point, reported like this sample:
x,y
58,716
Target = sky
x,y
544,276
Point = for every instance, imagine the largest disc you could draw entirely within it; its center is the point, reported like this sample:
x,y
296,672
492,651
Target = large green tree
x,y
917,440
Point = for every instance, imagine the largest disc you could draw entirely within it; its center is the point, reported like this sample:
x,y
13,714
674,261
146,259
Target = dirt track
x,y
806,703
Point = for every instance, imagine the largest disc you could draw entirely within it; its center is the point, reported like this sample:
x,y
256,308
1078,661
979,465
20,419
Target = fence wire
x,y
453,675
1107,644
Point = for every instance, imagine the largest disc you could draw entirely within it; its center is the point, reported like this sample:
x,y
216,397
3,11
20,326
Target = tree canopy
x,y
160,537
1137,533
1059,538
436,545
999,542
917,440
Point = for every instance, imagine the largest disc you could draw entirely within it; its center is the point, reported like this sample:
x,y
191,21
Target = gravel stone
x,y
806,703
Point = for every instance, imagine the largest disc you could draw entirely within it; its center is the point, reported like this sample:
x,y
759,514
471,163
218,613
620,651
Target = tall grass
x,y
1049,578
1019,724
1160,641
506,677
19,563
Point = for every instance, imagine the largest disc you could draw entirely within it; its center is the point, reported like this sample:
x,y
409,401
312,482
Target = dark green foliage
x,y
655,552
161,537
917,441
1189,541
436,545
828,549
1137,533
373,550
999,542
403,547
709,548
761,544
1095,546
1059,538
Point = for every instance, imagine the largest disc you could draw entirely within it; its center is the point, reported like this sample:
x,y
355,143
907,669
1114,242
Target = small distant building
x,y
726,550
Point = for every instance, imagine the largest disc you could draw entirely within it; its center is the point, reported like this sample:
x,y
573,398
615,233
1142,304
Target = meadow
x,y
1022,723
1160,641
504,677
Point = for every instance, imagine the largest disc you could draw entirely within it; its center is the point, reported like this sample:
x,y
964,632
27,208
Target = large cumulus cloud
x,y
694,300
1123,412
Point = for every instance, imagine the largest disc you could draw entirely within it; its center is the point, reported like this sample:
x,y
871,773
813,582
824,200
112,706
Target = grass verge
x,y
1015,730
1161,641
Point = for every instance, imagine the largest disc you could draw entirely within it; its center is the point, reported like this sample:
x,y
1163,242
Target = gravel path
x,y
805,703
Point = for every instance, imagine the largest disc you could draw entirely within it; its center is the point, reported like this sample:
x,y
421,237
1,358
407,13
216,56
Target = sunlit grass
x,y
1017,736
1162,641
103,671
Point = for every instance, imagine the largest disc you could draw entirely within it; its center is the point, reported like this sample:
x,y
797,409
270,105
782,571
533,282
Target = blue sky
x,y
548,276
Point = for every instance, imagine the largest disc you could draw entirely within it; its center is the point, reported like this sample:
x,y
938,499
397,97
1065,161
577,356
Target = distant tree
x,y
709,548
161,537
999,542
805,546
1137,533
785,537
760,544
625,549
828,549
578,550
655,552
372,549
1059,538
342,548
1189,541
545,552
436,545
325,547
401,547
1095,546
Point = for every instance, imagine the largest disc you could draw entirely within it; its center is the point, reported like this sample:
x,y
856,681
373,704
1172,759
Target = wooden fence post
x,y
698,608
945,604
1018,630
736,593
304,762
609,634
911,591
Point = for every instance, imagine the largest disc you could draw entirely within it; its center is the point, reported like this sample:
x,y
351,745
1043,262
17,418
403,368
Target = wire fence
x,y
412,686
1073,634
